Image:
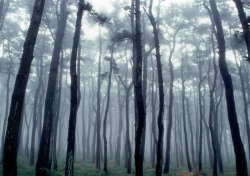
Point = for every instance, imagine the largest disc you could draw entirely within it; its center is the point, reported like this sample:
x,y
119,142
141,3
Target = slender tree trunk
x,y
74,104
140,109
170,106
158,170
17,100
241,163
44,149
105,166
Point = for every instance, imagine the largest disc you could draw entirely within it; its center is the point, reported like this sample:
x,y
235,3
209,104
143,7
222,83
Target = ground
x,y
88,169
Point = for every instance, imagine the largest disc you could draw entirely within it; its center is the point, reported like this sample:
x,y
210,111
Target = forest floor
x,y
88,169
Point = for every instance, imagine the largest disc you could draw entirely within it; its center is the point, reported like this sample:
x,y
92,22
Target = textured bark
x,y
240,157
17,100
43,165
69,169
140,128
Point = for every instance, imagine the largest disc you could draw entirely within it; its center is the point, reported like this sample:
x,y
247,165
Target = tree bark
x,y
42,164
140,109
241,163
74,104
17,100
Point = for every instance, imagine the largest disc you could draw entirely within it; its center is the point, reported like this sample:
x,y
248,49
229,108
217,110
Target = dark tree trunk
x,y
42,164
241,163
14,119
74,104
140,109
245,101
159,162
105,165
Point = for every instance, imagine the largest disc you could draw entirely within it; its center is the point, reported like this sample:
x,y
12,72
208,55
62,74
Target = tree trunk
x,y
170,106
241,163
105,166
159,162
14,119
74,104
44,149
140,109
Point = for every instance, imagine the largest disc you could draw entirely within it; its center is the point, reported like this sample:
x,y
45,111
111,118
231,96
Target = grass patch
x,y
88,169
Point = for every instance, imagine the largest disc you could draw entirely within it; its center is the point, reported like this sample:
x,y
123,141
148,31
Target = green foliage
x,y
88,169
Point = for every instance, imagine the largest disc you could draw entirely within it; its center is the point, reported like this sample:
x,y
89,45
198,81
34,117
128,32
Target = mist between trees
x,y
155,87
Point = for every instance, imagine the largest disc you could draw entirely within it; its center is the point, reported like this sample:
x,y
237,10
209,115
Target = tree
x,y
17,100
140,128
105,167
170,106
73,90
161,92
240,157
43,164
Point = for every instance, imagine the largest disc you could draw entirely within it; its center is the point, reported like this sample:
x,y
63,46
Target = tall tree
x,y
140,128
43,164
17,100
161,92
240,157
105,166
170,106
73,90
